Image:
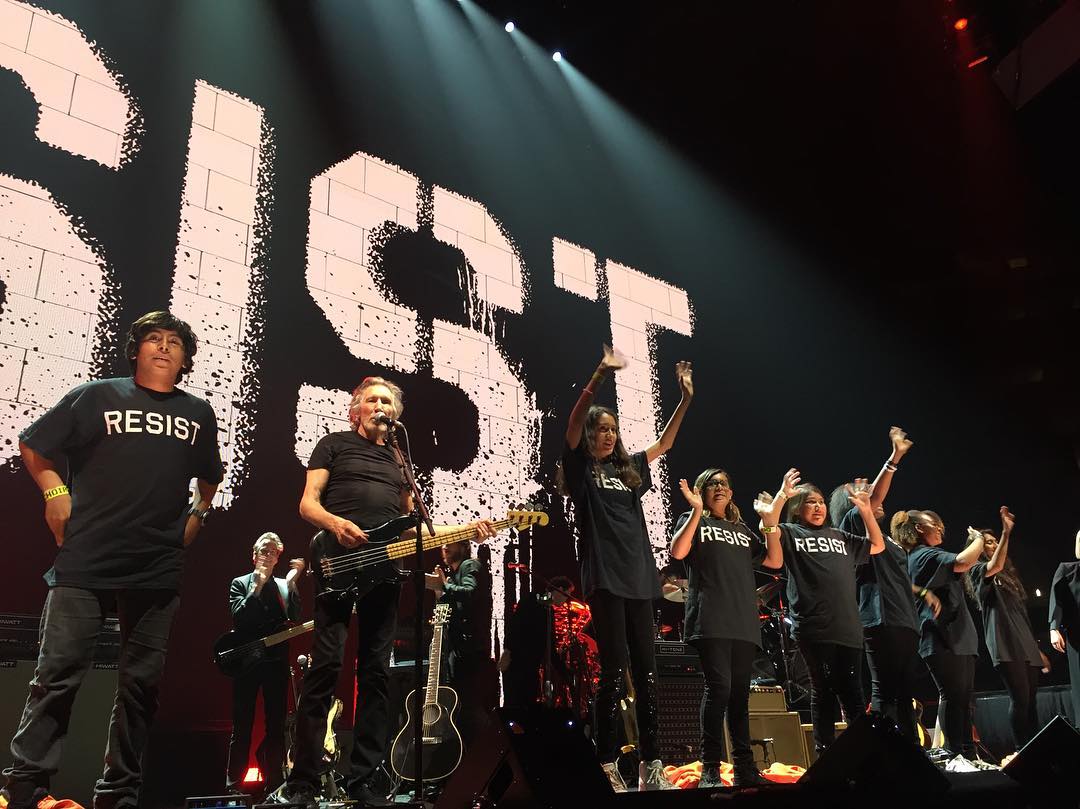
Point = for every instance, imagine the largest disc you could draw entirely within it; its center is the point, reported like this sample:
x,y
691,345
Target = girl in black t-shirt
x,y
820,561
947,641
618,571
721,616
995,586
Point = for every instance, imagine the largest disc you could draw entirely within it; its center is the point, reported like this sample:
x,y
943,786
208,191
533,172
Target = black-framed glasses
x,y
718,484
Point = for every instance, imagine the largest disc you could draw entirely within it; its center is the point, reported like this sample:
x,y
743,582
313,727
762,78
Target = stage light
x,y
1038,593
557,56
960,24
509,27
253,776
978,61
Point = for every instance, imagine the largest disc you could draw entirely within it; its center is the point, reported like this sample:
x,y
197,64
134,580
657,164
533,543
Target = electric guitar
x,y
441,751
237,653
341,571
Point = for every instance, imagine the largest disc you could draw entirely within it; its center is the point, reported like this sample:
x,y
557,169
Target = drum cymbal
x,y
674,590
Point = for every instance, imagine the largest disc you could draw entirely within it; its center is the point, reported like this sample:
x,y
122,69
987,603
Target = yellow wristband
x,y
56,491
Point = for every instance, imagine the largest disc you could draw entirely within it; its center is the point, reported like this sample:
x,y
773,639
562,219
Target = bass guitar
x,y
441,752
341,571
237,653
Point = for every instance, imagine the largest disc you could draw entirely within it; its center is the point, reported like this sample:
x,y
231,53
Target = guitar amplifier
x,y
679,703
676,659
767,699
19,639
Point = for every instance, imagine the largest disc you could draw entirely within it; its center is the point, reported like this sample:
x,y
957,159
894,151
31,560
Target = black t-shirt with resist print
x,y
820,565
720,598
614,549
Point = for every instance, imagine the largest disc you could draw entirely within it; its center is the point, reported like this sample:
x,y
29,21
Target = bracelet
x,y
769,529
55,491
890,466
923,592
199,513
782,495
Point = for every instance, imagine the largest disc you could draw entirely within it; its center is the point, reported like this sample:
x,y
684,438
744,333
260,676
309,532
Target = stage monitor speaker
x,y
528,758
1048,761
873,756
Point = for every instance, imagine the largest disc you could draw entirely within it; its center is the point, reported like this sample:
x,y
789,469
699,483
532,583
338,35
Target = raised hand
x,y
859,496
1008,520
900,442
790,486
296,569
684,373
763,504
693,496
973,535
613,359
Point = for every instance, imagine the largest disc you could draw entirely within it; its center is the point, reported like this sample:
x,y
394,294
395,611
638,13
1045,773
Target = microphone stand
x,y
423,518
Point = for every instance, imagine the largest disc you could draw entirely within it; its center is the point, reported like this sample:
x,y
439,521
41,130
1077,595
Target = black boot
x,y
611,689
748,775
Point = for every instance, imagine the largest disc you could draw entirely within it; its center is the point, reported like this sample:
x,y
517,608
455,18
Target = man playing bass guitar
x,y
260,604
354,479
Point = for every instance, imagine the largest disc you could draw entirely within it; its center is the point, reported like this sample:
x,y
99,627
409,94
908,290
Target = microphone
x,y
382,418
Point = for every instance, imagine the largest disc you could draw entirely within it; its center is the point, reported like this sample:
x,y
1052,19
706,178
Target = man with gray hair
x,y
260,605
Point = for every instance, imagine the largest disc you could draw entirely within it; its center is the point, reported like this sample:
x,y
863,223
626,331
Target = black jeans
x,y
70,625
272,676
726,664
955,679
1022,682
376,613
892,654
622,626
472,675
835,674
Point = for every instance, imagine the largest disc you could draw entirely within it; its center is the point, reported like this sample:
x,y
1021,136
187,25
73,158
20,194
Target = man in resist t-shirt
x,y
121,519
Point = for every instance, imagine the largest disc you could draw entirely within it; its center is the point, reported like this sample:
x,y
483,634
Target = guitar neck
x,y
407,547
434,661
288,634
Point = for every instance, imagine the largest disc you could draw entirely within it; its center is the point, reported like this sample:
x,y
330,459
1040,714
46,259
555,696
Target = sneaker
x,y
614,777
710,777
984,765
366,796
748,777
961,764
297,792
651,776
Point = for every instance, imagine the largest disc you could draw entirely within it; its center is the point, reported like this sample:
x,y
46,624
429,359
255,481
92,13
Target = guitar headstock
x,y
526,519
441,614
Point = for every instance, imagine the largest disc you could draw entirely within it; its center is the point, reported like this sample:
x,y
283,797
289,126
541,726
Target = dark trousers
x,y
726,664
376,618
624,636
955,679
1022,682
1072,651
892,654
272,676
70,625
472,675
835,674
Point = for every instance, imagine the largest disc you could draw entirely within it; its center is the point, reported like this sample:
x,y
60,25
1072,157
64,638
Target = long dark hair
x,y
731,513
619,458
1007,577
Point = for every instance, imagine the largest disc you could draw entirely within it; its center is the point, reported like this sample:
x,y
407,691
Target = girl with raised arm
x,y
1065,620
618,570
820,561
886,602
997,589
721,616
947,640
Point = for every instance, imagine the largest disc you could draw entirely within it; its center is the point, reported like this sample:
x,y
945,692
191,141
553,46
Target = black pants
x,y
835,674
376,618
622,626
472,675
892,654
726,664
272,676
1022,682
955,679
70,625
1072,651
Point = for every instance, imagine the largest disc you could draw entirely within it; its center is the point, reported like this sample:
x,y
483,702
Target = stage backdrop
x,y
331,190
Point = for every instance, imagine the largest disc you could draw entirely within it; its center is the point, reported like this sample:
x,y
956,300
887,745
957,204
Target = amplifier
x,y
775,737
679,705
19,639
676,659
767,699
808,736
